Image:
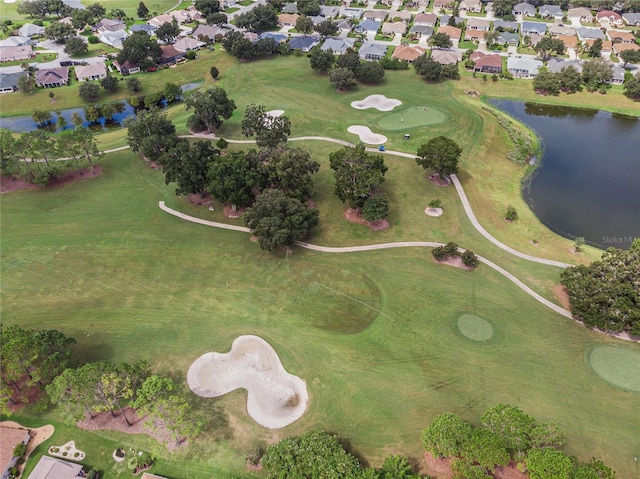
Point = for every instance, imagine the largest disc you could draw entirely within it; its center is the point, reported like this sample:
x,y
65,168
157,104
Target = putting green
x,y
412,117
617,365
475,328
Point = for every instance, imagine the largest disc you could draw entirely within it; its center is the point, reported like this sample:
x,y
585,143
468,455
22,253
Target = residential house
x,y
251,36
618,48
348,12
288,19
607,46
458,21
185,16
570,41
473,35
13,54
580,14
479,24
556,65
14,41
186,44
452,32
533,28
160,20
170,56
486,63
53,468
417,3
224,4
212,32
508,38
143,27
276,37
534,39
95,71
304,44
609,18
524,9
389,28
551,11
52,77
9,84
109,25
420,31
194,14
127,67
446,57
403,15
372,51
344,25
555,30
290,8
67,20
316,19
337,45
442,5
427,19
377,15
586,33
367,26
617,73
329,11
409,53
620,36
523,67
114,39
30,30
470,6
501,25
11,437
631,19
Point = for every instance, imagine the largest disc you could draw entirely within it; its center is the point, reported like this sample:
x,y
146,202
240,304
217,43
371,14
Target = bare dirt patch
x,y
510,471
454,261
230,213
560,292
200,199
436,180
352,216
440,467
7,185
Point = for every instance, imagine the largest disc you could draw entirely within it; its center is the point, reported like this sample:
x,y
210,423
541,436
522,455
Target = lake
x,y
588,180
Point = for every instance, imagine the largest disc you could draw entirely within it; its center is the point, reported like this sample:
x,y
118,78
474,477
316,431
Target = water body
x,y
588,181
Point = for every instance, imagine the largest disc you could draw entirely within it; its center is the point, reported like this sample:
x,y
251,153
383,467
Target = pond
x,y
588,181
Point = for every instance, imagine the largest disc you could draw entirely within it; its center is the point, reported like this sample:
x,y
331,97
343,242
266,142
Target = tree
x,y
570,80
327,28
34,8
304,24
75,47
630,56
133,84
595,50
150,133
369,72
440,40
486,449
603,294
270,131
349,59
218,18
168,31
143,11
548,45
207,7
511,214
279,220
261,17
546,82
315,454
511,425
210,108
440,154
41,117
358,174
58,31
396,467
548,463
596,74
375,208
490,37
594,469
87,143
291,170
469,259
428,68
110,83
27,83
233,177
74,390
213,71
446,435
89,91
342,78
172,92
632,88
321,61
140,49
504,9
546,434
308,7
188,166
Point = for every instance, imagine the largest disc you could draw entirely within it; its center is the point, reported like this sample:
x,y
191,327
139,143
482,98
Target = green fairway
x,y
617,365
412,117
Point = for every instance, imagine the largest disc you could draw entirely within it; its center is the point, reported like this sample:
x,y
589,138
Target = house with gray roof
x,y
556,65
95,71
14,54
290,8
114,39
561,30
631,19
329,11
316,19
444,20
586,33
337,45
525,9
580,14
617,75
30,30
9,81
508,38
479,24
344,25
428,19
421,31
500,24
523,67
348,12
551,11
304,44
186,44
372,51
109,25
378,15
276,37
533,28
143,27
367,26
53,468
209,31
14,41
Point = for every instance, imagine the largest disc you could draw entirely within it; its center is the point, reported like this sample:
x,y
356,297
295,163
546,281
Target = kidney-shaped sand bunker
x,y
275,398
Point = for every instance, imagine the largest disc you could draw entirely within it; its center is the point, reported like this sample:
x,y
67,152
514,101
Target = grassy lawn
x,y
102,263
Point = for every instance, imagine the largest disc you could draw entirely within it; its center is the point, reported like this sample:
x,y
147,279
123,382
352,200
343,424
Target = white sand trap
x,y
366,135
275,398
275,113
379,102
9,1
433,211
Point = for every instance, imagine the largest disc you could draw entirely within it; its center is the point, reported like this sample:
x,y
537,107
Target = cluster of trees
x,y
319,454
605,294
242,48
210,108
262,17
139,48
431,70
508,433
596,76
18,155
347,70
450,250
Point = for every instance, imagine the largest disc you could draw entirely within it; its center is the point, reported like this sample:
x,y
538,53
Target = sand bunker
x,y
379,102
366,135
618,365
434,211
275,398
275,113
475,328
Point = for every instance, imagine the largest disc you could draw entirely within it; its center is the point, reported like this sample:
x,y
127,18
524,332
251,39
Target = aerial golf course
x,y
384,340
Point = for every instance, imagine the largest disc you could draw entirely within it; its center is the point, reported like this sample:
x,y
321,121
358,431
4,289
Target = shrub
x,y
375,208
254,455
511,214
191,55
214,72
579,243
92,474
92,39
222,144
451,248
19,450
435,203
439,253
469,259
